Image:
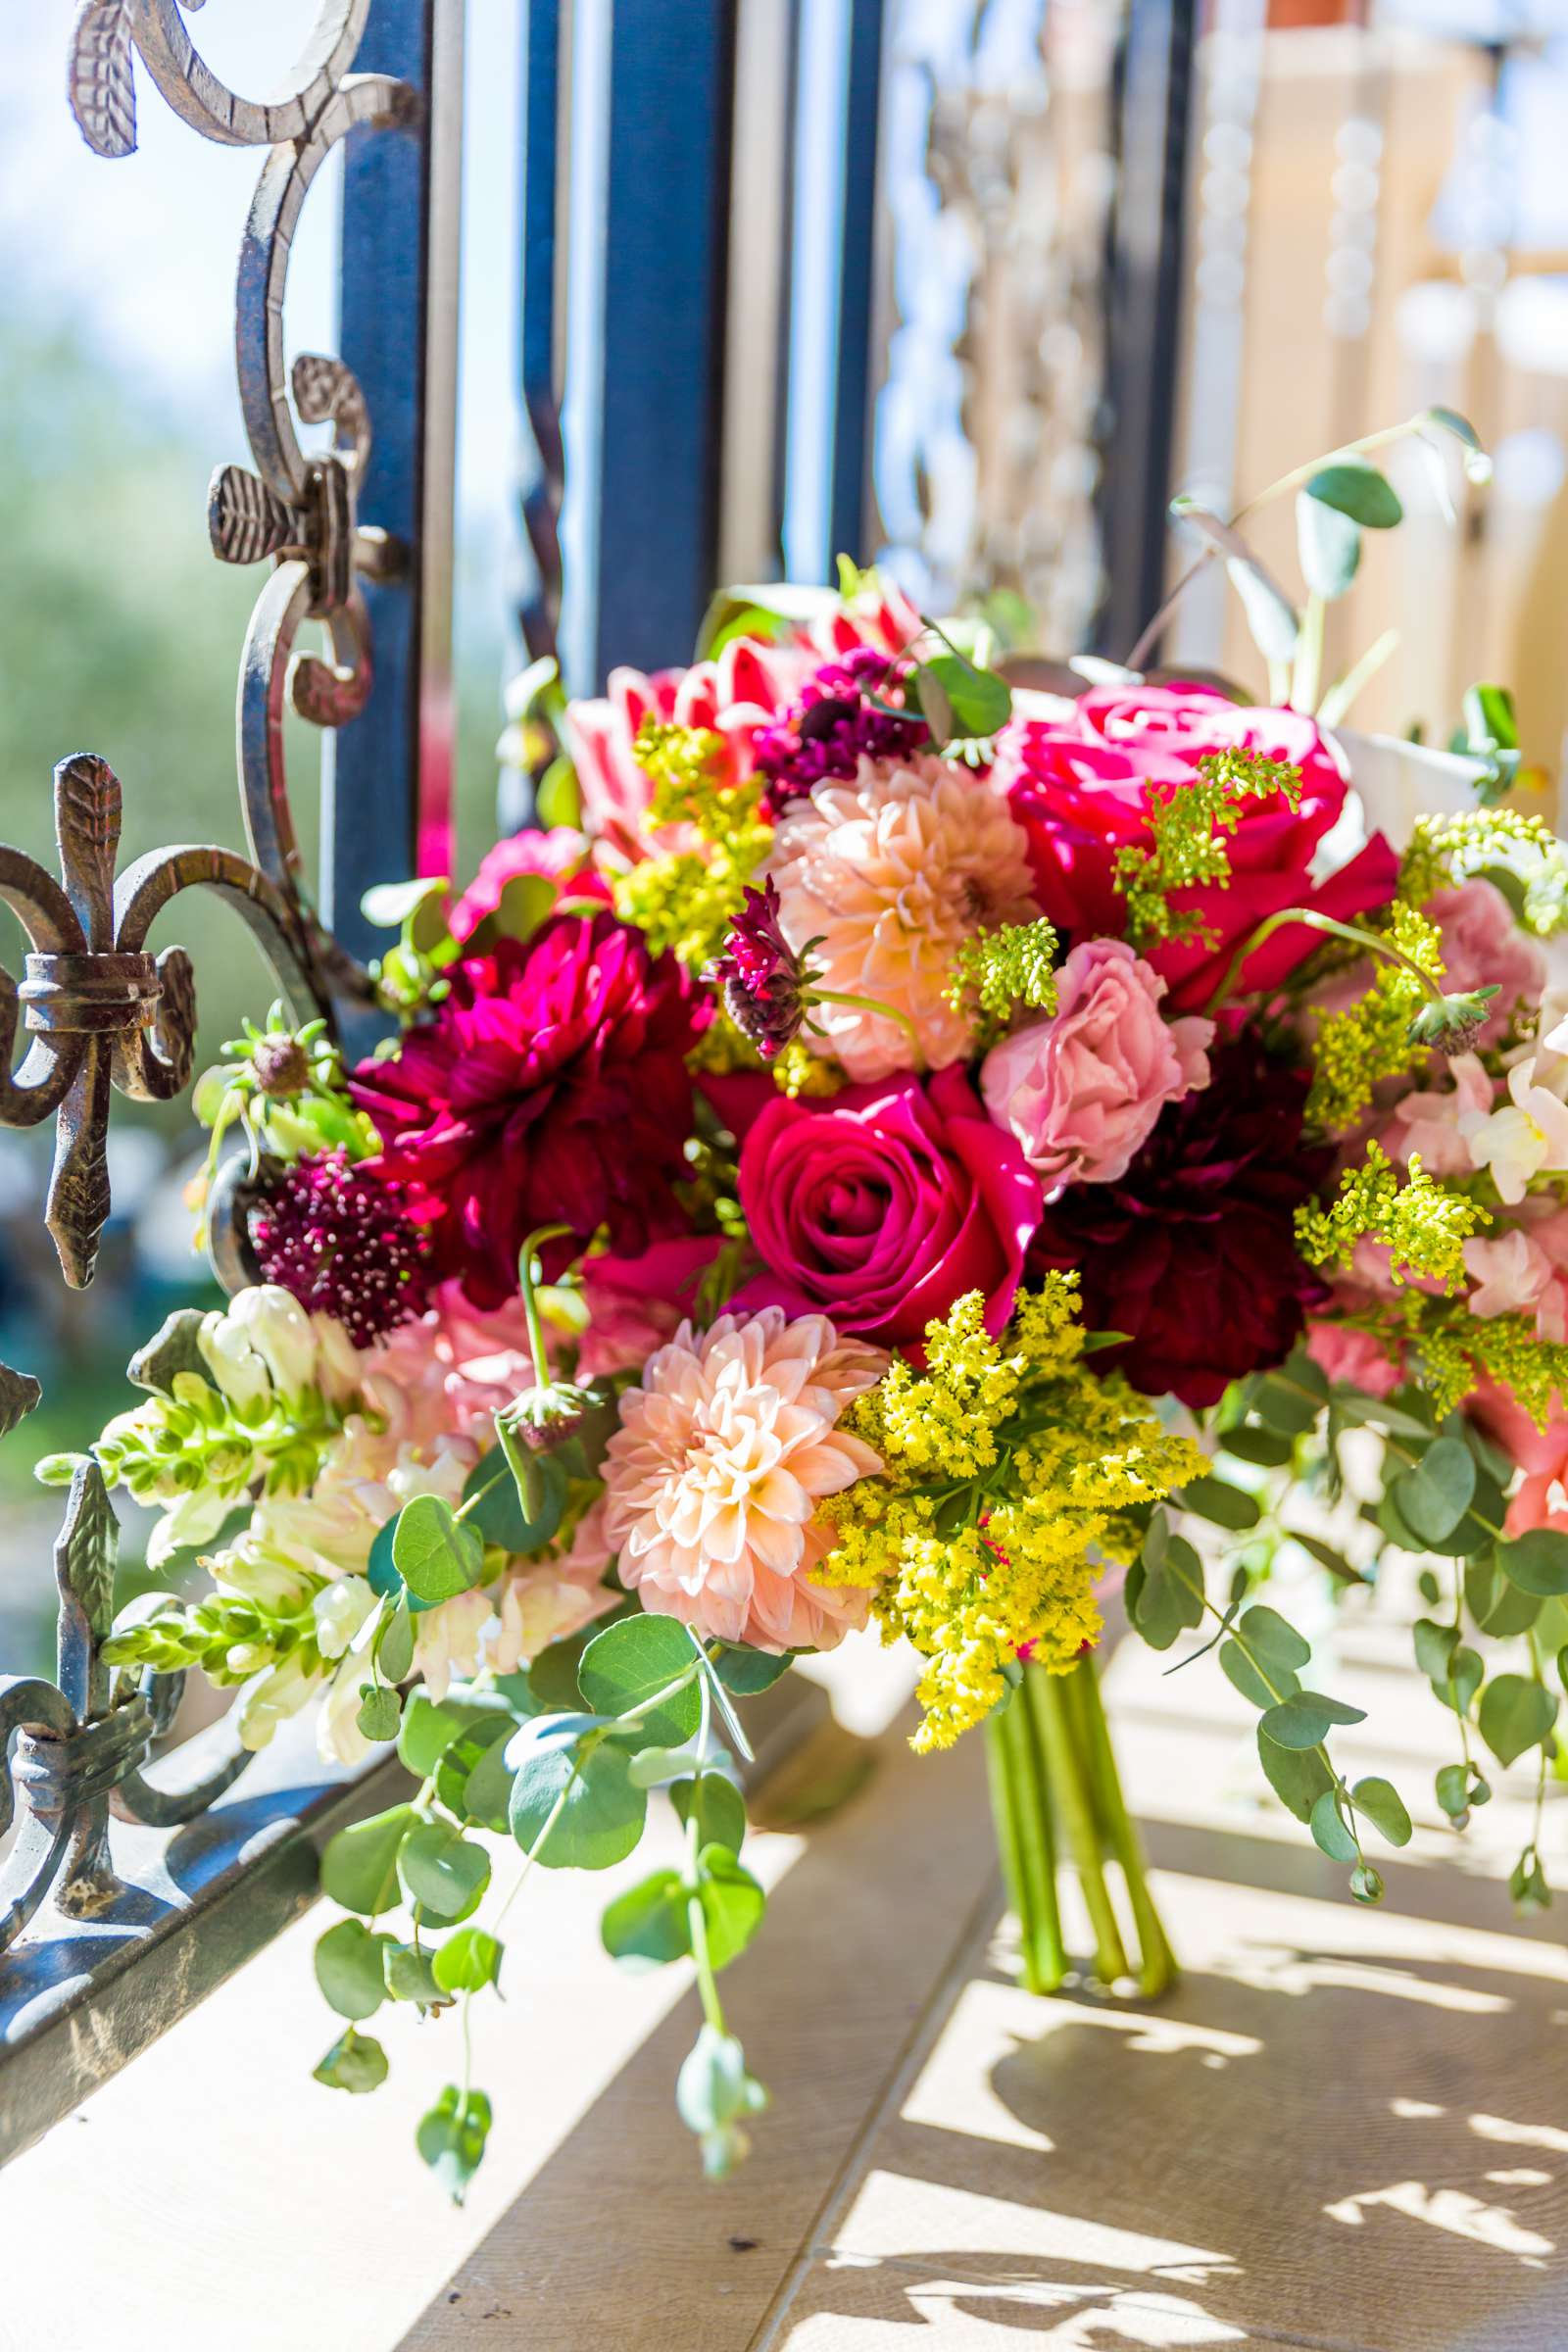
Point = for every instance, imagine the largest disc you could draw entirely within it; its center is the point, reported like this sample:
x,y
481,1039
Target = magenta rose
x,y
1080,788
880,1207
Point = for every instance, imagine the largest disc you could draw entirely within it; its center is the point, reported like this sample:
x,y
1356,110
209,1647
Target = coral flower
x,y
891,874
712,1479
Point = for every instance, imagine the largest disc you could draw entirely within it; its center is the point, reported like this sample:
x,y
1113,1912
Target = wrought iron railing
x,y
127,1895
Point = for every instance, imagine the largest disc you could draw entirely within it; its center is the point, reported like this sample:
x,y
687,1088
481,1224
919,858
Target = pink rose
x,y
1342,1352
1080,788
883,1206
1482,946
1082,1090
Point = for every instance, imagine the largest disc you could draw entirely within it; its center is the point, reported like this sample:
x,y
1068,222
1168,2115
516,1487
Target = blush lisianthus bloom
x,y
1081,780
1082,1090
1429,1125
885,1203
634,1304
713,1480
550,1088
454,1369
1483,947
889,876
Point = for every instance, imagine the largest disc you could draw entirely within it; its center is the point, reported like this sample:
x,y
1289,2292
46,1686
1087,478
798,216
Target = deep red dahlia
x,y
550,1088
1193,1252
343,1243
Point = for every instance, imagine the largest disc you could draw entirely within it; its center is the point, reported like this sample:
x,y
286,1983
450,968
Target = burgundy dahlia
x,y
343,1243
550,1088
828,728
1193,1252
766,984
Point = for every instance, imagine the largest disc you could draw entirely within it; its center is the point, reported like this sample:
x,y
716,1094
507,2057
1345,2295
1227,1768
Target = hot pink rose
x,y
883,1206
1080,788
1483,947
1082,1090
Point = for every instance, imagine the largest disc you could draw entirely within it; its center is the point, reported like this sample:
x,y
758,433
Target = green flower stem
x,y
1070,1785
530,1303
885,1012
1370,941
1156,1961
1026,1837
696,1916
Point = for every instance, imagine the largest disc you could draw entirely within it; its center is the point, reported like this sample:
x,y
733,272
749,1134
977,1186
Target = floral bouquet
x,y
901,1146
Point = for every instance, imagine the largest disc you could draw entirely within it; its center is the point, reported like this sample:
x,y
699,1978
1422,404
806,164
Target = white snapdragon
x,y
447,1641
340,1610
271,1698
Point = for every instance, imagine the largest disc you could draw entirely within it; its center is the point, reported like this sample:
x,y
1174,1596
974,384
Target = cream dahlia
x,y
712,1479
889,876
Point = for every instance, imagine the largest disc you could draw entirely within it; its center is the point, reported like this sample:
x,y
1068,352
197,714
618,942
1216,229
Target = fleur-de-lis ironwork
x,y
103,89
100,1009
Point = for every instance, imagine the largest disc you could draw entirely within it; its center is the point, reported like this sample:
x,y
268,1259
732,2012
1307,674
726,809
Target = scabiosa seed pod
x,y
342,1241
766,986
282,1066
1455,1026
832,727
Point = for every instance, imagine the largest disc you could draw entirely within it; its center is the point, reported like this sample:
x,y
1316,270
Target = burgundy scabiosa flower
x,y
766,985
550,1088
832,725
343,1243
1192,1252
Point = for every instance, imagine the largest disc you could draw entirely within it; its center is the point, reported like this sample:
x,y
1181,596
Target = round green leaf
x,y
1435,1495
380,1712
719,1806
1435,1646
629,1662
1265,1449
1306,1719
468,1961
1329,1833
395,1650
1537,1562
1515,1714
487,1791
441,1870
1275,1644
1457,1688
1353,487
431,1726
500,1514
356,2063
602,1810
1384,1808
733,1904
1329,545
451,2138
1297,1776
1499,1607
349,1969
650,1923
1241,1671
1224,1505
1453,1793
436,1554
409,1975
360,1865
746,1671
382,1577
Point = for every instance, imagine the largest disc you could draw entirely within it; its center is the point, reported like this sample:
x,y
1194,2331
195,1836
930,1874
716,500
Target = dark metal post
x,y
387,777
652,89
838,82
1144,285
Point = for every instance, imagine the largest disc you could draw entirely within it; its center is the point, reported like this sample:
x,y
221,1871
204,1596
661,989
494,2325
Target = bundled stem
x,y
1055,1786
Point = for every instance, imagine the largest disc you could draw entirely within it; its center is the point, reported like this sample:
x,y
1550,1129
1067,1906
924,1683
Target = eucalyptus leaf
x,y
629,1663
1329,546
649,1925
1298,1775
1305,1719
1329,1831
1384,1808
356,2063
1265,1449
732,1903
1435,1495
719,1806
601,1809
436,1554
1222,1504
349,1969
1354,488
1515,1714
468,1961
441,1870
410,1976
1537,1562
451,2138
360,1865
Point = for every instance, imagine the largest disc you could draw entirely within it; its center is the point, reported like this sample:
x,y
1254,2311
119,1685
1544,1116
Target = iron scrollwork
x,y
100,1009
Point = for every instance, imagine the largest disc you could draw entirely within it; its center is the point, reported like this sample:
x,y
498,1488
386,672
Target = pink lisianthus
x,y
713,1480
1082,1090
636,1303
562,855
1428,1124
1343,1352
888,875
458,1364
884,1205
1510,1272
1482,946
1080,786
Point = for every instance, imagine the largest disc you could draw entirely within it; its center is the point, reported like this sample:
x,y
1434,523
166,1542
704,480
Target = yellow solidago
x,y
1371,1039
1012,1476
1459,1350
1422,1223
994,971
1189,822
1444,849
686,898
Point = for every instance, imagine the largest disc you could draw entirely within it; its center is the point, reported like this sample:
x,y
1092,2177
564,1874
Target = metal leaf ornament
x,y
103,89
